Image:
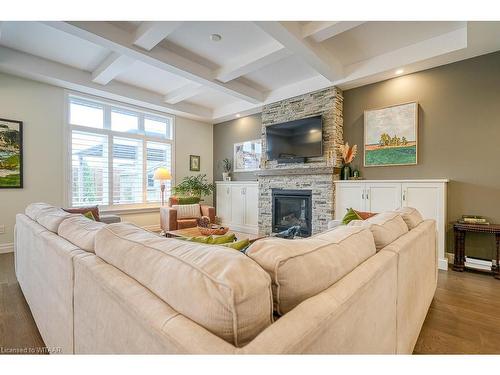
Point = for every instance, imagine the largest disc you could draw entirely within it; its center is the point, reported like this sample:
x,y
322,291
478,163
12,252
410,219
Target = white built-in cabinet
x,y
237,205
427,196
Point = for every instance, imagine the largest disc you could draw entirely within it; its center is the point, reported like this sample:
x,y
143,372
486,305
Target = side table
x,y
460,231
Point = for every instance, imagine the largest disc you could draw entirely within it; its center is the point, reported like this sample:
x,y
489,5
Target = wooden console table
x,y
460,230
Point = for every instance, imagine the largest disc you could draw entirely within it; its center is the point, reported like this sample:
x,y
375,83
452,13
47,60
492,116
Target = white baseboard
x,y
6,248
443,264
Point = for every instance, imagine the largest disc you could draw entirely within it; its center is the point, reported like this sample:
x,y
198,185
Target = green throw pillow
x,y
199,239
350,216
217,240
238,245
188,200
89,215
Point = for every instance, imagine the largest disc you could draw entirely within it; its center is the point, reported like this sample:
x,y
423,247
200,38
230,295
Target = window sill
x,y
128,210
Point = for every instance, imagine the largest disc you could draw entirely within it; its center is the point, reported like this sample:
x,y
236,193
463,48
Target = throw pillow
x,y
365,215
89,215
184,200
217,240
188,211
238,245
350,216
83,210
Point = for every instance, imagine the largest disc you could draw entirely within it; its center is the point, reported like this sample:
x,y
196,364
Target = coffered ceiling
x,y
214,71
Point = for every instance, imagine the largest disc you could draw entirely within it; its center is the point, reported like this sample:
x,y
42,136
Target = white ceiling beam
x,y
251,62
320,31
39,69
109,36
289,34
419,52
112,66
183,93
150,33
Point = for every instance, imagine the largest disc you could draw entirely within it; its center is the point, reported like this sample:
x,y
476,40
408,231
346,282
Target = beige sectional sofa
x,y
96,288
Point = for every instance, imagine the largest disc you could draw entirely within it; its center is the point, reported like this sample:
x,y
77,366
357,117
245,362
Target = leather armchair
x,y
169,220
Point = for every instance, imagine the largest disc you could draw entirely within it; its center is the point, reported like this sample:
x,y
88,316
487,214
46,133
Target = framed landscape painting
x,y
391,135
11,154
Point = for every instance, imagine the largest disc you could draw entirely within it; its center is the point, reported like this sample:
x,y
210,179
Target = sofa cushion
x,y
51,218
80,231
302,268
218,288
386,227
411,216
35,209
187,211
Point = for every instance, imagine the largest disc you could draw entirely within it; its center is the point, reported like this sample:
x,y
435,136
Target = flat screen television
x,y
295,140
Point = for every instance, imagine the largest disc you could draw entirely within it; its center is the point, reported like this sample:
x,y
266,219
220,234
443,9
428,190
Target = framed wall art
x,y
11,154
247,156
391,135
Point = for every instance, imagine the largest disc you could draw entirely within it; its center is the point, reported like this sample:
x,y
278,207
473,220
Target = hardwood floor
x,y
464,317
18,331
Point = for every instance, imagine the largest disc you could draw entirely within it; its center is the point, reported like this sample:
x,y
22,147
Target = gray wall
x,y
226,134
459,135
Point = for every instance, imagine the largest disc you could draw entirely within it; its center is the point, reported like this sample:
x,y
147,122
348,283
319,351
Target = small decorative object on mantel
x,y
355,175
348,155
11,154
226,167
194,163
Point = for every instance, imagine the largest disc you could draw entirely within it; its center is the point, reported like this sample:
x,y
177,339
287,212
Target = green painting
x,y
11,154
391,135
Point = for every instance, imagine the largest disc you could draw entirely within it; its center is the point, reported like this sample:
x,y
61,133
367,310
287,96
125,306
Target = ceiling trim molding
x,y
39,69
252,62
114,38
289,34
183,93
320,31
150,33
433,47
112,66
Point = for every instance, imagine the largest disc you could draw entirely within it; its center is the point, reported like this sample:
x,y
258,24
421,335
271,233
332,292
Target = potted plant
x,y
194,186
348,155
226,167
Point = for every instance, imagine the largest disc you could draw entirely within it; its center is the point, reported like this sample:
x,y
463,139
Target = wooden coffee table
x,y
193,232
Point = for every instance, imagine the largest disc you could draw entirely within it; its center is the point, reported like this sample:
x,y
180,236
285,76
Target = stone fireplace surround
x,y
316,174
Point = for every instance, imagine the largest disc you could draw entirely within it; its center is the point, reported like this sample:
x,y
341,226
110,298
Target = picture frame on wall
x,y
247,156
11,154
194,163
391,135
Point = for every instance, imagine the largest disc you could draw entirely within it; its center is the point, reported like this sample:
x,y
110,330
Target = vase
x,y
225,176
346,172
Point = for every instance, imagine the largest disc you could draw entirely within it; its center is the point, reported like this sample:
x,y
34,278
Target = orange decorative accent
x,y
219,231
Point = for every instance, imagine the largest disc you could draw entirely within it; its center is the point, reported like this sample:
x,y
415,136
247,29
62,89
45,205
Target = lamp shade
x,y
162,174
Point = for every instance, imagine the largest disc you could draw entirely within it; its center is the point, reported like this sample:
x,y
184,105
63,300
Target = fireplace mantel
x,y
297,171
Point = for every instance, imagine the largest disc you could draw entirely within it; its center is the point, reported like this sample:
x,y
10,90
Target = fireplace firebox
x,y
292,208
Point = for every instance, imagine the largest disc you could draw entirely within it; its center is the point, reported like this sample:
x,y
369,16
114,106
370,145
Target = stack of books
x,y
473,219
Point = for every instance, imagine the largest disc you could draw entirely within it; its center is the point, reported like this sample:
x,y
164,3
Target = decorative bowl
x,y
214,229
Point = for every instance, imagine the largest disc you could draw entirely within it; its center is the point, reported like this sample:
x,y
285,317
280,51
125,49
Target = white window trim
x,y
67,138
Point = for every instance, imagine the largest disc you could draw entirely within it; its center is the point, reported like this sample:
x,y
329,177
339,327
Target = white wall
x,y
41,108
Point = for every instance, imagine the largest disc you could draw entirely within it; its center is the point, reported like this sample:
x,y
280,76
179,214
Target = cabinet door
x,y
382,197
349,195
224,203
237,205
251,205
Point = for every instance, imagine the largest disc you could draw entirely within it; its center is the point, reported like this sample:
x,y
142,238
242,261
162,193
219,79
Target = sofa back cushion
x,y
187,211
386,227
218,288
303,268
51,218
34,210
411,216
80,231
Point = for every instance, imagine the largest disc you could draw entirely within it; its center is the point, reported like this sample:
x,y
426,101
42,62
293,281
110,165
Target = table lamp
x,y
162,174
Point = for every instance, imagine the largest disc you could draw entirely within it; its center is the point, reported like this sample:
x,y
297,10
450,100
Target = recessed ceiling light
x,y
238,115
399,71
215,37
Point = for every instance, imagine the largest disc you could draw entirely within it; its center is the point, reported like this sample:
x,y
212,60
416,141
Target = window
x,y
114,153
